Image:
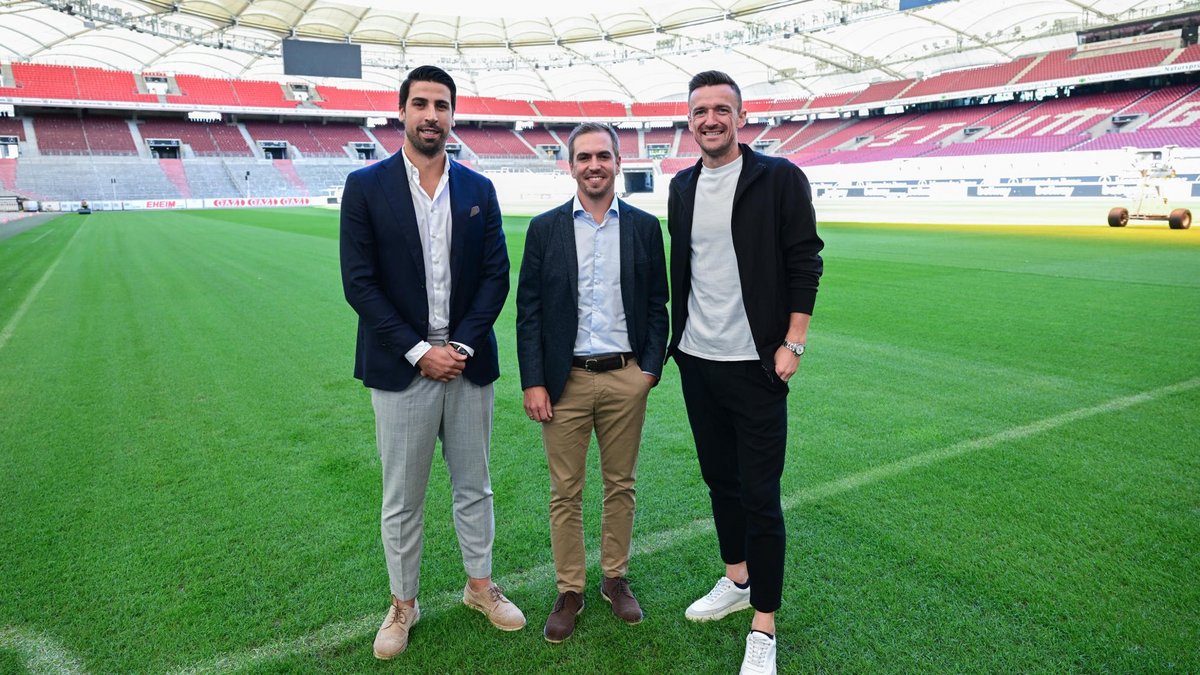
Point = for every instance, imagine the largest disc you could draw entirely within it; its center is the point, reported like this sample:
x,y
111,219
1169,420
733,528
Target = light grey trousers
x,y
407,424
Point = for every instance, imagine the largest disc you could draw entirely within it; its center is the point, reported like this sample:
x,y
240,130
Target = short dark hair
x,y
712,78
428,74
591,128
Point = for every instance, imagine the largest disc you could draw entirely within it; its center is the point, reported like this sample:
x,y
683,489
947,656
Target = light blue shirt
x,y
602,328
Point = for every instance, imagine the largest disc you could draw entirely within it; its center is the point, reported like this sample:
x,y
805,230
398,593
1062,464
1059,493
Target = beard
x,y
430,147
719,150
604,187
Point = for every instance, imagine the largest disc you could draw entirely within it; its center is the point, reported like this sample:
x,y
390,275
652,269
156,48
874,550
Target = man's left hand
x,y
786,363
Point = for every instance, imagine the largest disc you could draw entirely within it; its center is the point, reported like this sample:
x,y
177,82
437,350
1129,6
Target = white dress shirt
x,y
433,223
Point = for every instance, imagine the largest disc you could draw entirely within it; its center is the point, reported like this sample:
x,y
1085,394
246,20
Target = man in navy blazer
x,y
425,266
591,340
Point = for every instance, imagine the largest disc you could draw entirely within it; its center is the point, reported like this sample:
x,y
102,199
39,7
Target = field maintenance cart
x,y
1155,183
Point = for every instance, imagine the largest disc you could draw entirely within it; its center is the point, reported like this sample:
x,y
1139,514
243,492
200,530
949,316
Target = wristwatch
x,y
796,348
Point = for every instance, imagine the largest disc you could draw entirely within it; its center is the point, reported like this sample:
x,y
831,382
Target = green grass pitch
x,y
994,465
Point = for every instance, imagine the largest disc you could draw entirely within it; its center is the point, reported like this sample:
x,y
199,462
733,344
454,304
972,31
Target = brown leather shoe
x,y
561,622
624,605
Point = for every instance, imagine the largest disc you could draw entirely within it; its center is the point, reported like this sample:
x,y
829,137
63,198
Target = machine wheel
x,y
1180,219
1118,217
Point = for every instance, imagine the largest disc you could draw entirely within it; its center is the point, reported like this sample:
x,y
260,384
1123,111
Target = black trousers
x,y
738,415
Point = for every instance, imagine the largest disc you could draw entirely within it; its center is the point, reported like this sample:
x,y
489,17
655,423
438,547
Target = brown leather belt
x,y
601,363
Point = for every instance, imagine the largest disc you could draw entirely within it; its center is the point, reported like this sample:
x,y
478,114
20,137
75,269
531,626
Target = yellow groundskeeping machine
x,y
1153,185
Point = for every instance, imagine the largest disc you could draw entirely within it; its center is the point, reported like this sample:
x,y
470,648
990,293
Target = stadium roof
x,y
630,50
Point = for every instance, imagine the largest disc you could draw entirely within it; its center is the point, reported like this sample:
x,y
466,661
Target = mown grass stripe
x,y
11,326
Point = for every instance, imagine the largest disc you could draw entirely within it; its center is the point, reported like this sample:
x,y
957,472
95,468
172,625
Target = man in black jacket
x,y
745,266
591,340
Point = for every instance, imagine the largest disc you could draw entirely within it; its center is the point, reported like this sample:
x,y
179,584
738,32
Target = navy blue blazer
x,y
548,295
383,271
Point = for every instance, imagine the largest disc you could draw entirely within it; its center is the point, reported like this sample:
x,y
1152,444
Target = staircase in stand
x,y
288,171
8,174
178,177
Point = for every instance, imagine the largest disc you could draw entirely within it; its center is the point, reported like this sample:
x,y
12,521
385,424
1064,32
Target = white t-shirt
x,y
717,328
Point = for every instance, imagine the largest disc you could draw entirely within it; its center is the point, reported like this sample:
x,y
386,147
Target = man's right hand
x,y
442,363
537,404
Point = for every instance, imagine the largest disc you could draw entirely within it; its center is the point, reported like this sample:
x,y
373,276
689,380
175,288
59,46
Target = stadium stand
x,y
216,156
667,109
1189,54
60,135
43,81
495,107
492,141
99,84
193,134
629,140
108,136
390,135
174,171
229,140
195,90
1064,63
687,145
788,105
287,169
1179,112
536,136
8,174
254,94
831,101
782,131
12,126
662,136
558,108
603,110
312,140
333,98
881,91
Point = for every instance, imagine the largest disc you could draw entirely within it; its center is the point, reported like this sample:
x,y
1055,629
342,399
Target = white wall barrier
x,y
168,204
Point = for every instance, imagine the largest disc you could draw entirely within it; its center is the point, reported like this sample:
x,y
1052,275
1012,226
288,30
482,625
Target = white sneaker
x,y
724,598
760,655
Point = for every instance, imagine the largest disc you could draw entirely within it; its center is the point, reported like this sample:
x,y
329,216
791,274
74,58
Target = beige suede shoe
x,y
392,638
497,608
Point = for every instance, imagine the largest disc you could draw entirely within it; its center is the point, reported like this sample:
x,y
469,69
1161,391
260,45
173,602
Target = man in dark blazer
x,y
425,266
591,340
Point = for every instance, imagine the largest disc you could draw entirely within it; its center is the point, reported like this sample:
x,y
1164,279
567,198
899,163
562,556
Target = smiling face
x,y
714,116
595,165
427,117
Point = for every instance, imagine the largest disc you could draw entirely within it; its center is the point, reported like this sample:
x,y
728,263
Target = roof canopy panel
x,y
641,50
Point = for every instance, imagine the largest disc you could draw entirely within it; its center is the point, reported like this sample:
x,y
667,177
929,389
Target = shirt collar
x,y
578,210
414,174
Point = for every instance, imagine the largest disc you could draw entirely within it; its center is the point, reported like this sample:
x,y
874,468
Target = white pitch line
x,y
339,633
16,317
42,653
40,236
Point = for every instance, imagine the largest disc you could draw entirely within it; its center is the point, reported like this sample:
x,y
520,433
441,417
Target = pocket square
x,y
474,211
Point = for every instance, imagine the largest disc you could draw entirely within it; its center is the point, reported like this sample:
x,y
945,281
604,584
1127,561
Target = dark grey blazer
x,y
548,295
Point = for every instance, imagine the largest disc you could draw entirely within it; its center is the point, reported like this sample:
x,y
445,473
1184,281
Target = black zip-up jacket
x,y
774,239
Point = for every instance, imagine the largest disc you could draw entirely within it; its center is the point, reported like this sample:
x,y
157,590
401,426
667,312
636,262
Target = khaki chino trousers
x,y
612,403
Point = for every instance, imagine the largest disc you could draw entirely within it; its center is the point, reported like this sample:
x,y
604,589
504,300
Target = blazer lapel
x,y
628,257
461,202
393,182
565,235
